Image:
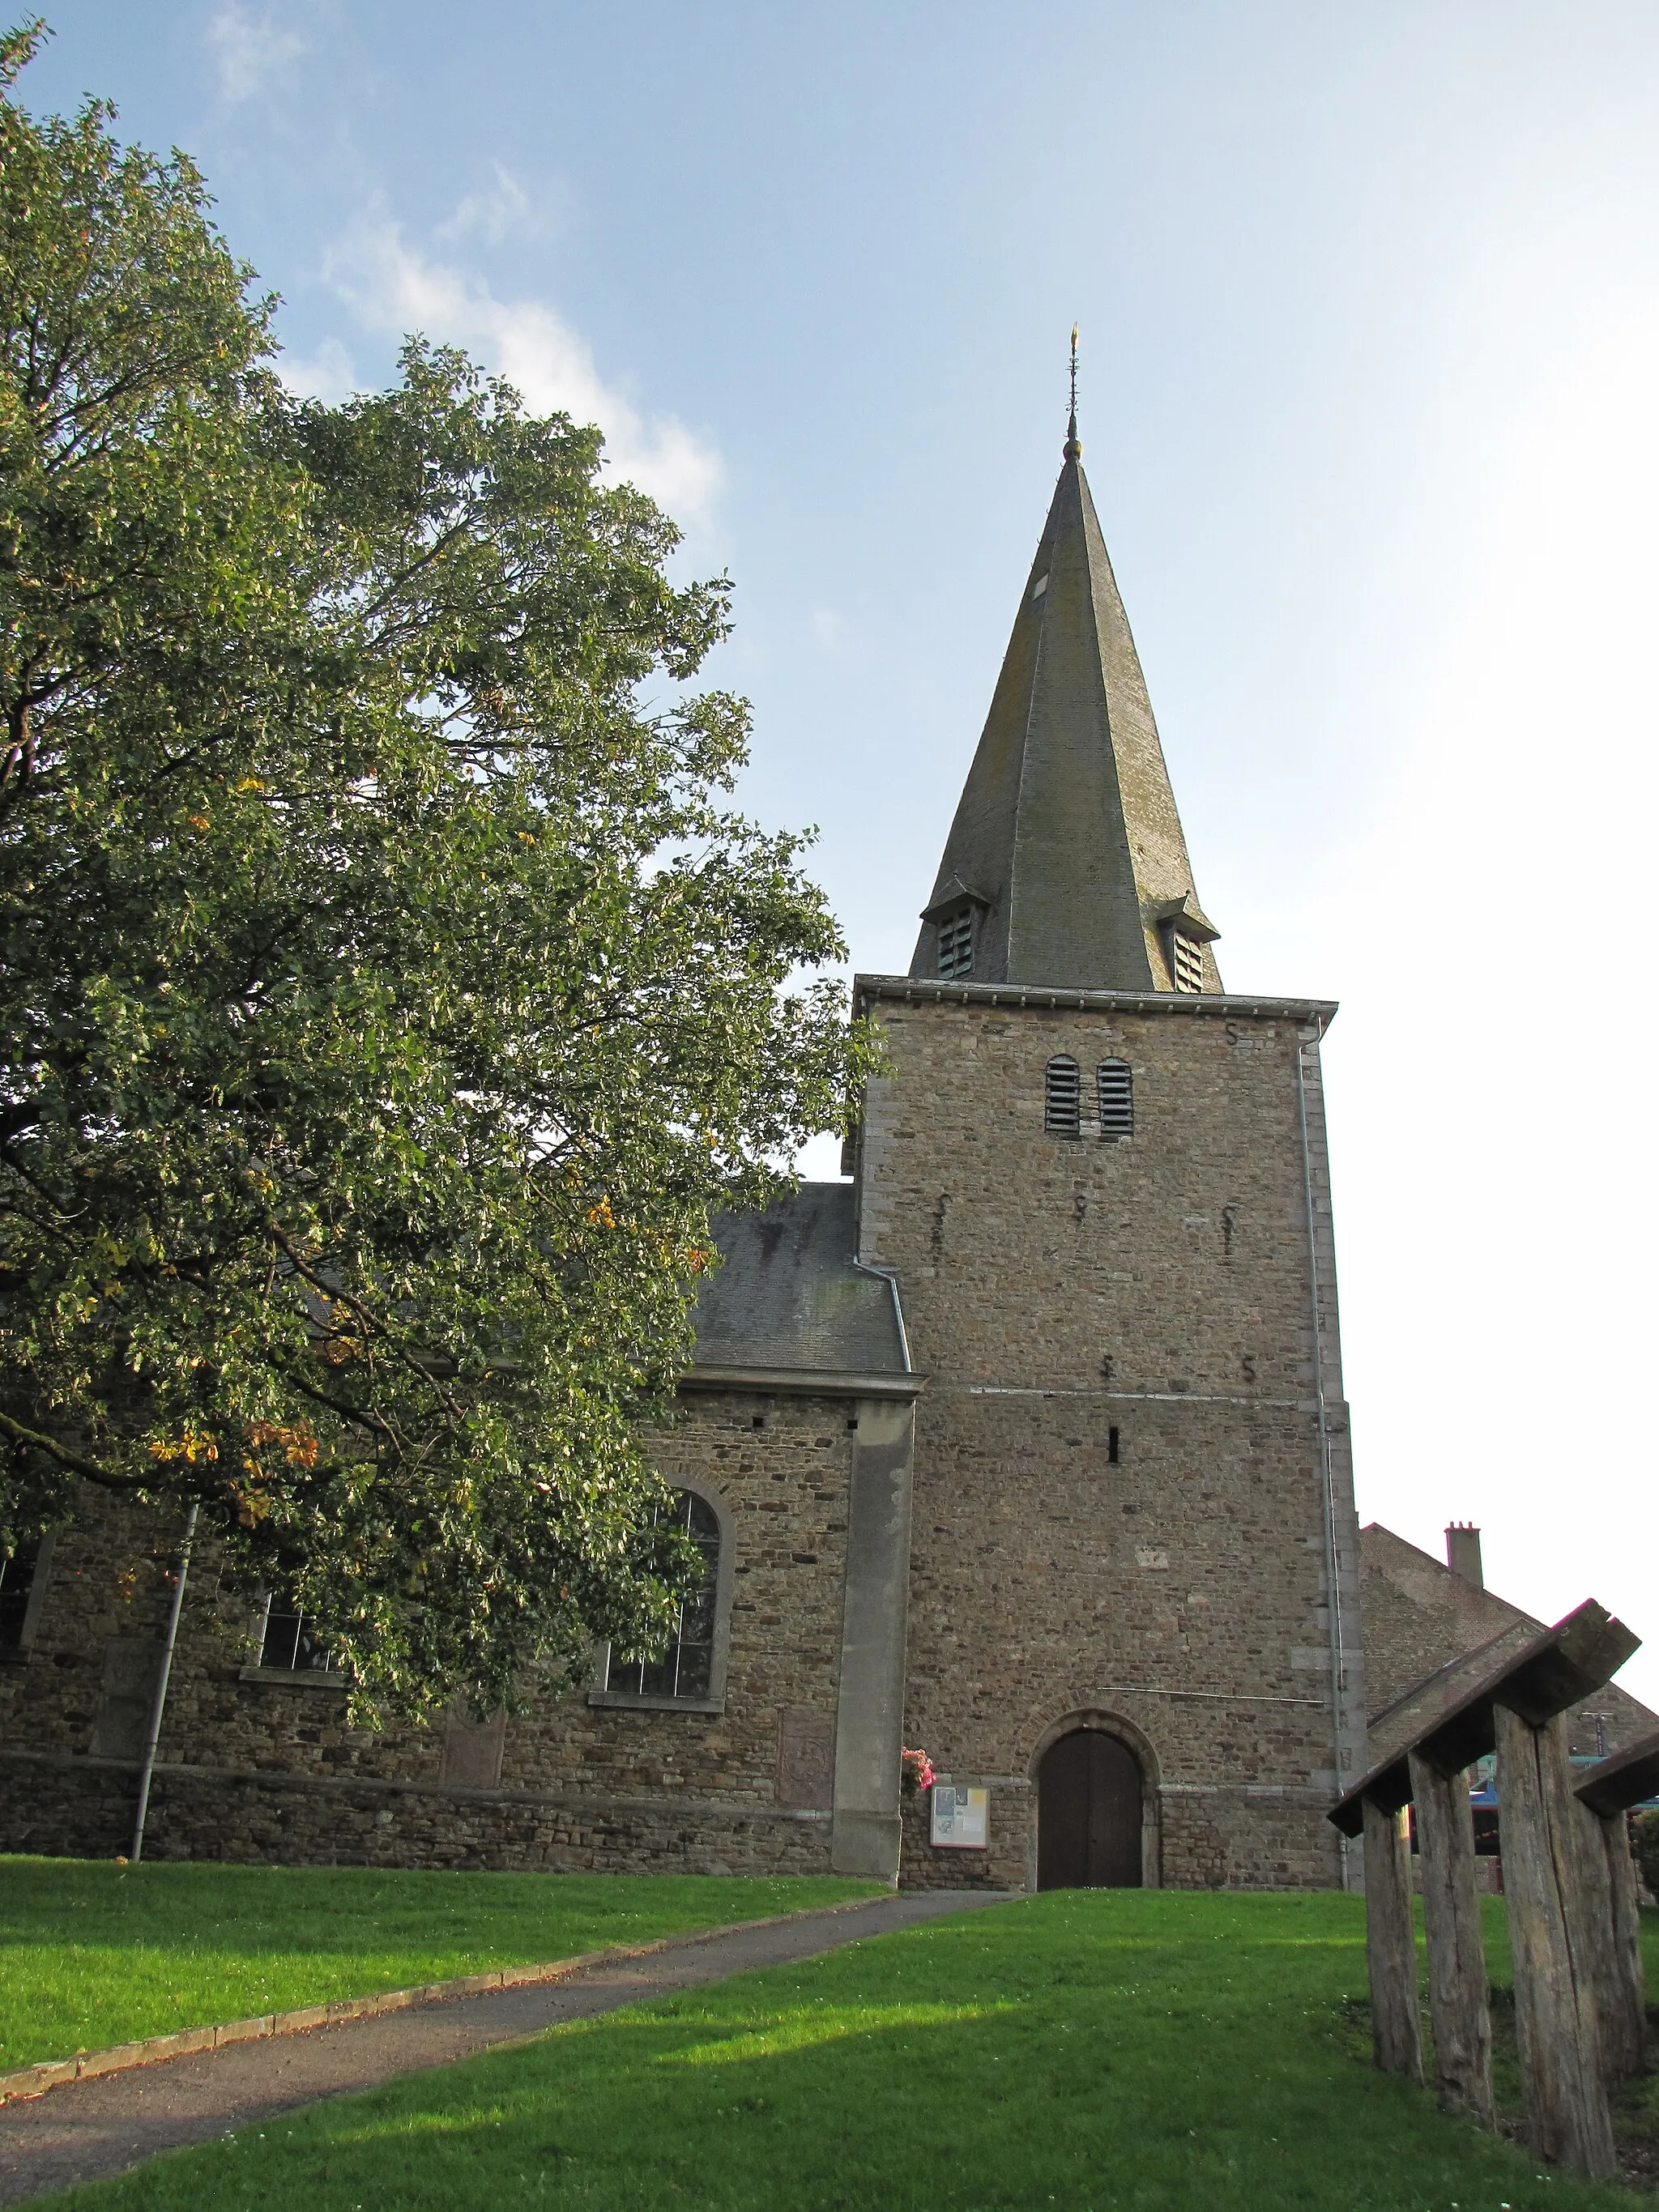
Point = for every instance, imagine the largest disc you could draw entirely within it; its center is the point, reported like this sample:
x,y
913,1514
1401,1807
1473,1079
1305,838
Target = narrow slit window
x,y
1063,1098
1188,961
686,1670
956,942
1116,1086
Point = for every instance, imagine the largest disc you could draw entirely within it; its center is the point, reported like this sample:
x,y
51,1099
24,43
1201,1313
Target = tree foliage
x,y
390,992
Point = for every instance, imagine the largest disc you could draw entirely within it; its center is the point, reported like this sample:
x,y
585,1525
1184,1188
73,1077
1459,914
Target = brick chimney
x,y
1463,1553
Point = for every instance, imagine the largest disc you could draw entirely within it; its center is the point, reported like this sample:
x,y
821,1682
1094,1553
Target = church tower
x,y
1099,1182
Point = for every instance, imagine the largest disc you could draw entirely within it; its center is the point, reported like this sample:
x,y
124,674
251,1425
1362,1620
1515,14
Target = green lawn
x,y
1085,2050
92,1953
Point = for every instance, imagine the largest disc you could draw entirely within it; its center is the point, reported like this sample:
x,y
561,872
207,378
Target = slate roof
x,y
1066,828
791,1295
1428,1633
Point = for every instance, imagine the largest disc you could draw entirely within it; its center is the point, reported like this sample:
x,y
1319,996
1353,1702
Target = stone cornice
x,y
804,1382
914,990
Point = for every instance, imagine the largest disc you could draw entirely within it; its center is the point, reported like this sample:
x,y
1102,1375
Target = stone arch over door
x,y
1095,1805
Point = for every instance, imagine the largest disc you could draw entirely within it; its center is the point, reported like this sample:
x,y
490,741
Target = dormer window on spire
x,y
1186,959
956,941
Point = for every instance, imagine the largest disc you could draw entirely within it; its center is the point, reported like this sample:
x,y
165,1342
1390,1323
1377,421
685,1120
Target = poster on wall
x,y
961,1817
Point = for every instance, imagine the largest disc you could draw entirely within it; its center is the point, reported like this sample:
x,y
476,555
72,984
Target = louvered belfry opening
x,y
1063,1097
1117,1100
1188,961
956,942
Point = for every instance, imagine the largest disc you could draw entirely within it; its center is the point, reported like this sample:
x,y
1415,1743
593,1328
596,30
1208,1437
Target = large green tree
x,y
388,993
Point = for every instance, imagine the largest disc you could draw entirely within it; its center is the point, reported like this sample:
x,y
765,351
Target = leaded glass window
x,y
686,1670
17,1580
292,1642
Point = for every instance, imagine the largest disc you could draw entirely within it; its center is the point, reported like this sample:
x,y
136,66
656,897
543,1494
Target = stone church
x,y
1023,1444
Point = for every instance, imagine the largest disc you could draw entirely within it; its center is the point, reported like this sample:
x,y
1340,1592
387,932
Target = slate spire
x,y
1066,864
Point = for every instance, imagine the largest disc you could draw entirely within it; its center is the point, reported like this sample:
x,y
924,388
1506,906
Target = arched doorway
x,y
1089,1813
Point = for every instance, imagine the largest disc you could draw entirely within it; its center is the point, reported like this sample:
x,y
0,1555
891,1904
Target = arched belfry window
x,y
1115,1082
1063,1097
692,1670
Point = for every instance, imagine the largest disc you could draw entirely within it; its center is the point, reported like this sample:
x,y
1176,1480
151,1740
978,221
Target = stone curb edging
x,y
186,2042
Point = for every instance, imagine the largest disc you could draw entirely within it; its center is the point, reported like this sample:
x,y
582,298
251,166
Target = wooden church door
x,y
1089,1813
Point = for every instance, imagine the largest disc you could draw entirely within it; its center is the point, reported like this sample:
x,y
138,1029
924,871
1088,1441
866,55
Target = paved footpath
x,y
88,2130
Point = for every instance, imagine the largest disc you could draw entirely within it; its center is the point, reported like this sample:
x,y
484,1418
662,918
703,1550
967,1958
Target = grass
x,y
1087,2049
92,1953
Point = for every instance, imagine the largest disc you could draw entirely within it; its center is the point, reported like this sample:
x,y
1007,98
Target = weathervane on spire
x,y
1073,444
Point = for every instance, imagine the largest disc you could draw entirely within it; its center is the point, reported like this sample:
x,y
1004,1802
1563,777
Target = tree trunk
x,y
1552,1937
1391,1944
1451,1921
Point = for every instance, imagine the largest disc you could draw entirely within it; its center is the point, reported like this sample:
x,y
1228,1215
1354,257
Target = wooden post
x,y
1543,1885
1391,1944
1628,1936
1621,2006
1451,1921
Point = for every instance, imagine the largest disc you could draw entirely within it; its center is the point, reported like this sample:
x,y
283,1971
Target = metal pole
x,y
158,1703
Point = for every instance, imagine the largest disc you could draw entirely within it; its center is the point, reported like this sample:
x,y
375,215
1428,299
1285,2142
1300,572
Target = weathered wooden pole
x,y
1552,1939
1451,1923
1606,1795
1391,1944
1630,2043
1615,1944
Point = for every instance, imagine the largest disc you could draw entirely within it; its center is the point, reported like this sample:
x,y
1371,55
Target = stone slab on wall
x,y
83,1807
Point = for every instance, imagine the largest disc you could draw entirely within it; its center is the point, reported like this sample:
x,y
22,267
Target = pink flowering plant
x,y
915,1772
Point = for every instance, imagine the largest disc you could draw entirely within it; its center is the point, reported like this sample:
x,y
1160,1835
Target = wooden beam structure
x,y
1605,1797
1552,1941
1451,1923
1510,1706
1391,1944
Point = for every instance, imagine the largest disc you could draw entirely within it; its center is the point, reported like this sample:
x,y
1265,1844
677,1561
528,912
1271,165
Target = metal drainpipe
x,y
1327,1488
158,1703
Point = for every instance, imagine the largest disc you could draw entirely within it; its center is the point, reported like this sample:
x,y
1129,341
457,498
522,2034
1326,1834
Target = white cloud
x,y
327,374
250,50
393,287
502,210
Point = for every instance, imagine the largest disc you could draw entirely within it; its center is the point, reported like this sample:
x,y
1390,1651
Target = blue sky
x,y
1371,342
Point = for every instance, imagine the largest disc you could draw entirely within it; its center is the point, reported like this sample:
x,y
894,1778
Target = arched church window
x,y
956,941
686,1668
1115,1085
1063,1097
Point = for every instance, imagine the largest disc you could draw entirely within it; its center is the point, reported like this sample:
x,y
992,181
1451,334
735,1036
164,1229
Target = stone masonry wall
x,y
1056,1291
270,1769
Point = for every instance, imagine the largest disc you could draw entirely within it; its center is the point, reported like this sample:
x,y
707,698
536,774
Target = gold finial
x,y
1074,447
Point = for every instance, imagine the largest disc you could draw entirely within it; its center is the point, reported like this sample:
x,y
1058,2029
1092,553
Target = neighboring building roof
x,y
791,1294
1067,830
1423,1621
